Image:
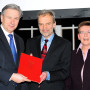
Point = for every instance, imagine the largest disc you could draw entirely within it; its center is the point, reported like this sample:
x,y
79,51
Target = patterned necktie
x,y
12,46
44,50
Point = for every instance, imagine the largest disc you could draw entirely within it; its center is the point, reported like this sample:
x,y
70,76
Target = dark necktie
x,y
44,50
12,46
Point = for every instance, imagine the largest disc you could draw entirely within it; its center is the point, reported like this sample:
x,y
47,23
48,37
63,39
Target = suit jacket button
x,y
13,85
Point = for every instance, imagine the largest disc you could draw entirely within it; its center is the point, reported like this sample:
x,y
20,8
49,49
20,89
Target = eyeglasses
x,y
83,32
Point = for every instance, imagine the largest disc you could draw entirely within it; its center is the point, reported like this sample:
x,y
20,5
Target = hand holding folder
x,y
30,67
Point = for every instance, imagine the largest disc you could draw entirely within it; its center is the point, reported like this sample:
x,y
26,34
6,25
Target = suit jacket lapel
x,y
52,48
18,49
38,45
6,45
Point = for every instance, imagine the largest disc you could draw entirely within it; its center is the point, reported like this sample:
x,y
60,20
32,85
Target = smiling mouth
x,y
86,39
45,30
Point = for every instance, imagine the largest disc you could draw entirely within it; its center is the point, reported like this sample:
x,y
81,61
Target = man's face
x,y
84,35
46,25
10,20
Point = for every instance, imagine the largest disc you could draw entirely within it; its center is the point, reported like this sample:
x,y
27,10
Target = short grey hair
x,y
12,6
44,12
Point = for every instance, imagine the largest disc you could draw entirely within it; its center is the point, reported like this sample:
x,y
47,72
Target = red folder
x,y
30,67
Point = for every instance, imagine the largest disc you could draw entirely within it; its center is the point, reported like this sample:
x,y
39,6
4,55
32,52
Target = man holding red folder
x,y
55,52
11,46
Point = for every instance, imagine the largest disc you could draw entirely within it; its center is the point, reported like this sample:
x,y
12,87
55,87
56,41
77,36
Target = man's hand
x,y
18,78
43,76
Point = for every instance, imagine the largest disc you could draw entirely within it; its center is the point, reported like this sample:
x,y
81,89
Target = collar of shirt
x,y
48,43
80,47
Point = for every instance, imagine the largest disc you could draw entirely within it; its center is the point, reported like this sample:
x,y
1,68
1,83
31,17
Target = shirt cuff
x,y
48,77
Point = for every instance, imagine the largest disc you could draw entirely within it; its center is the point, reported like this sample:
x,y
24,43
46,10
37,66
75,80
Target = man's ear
x,y
78,37
54,24
1,17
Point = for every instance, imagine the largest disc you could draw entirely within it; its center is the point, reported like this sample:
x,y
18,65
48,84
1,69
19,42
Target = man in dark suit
x,y
56,58
10,16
